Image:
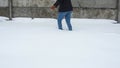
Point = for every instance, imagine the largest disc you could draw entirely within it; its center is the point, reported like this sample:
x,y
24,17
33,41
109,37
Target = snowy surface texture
x,y
37,43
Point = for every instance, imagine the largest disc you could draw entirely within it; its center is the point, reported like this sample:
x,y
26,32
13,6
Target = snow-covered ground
x,y
37,43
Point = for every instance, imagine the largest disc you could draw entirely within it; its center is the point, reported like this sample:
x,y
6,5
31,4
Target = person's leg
x,y
67,18
61,15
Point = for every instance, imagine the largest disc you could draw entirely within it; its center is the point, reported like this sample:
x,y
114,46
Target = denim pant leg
x,y
61,15
67,18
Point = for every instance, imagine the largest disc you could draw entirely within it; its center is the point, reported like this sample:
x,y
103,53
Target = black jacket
x,y
64,5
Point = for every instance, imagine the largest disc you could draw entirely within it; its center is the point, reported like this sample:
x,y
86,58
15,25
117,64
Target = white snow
x,y
2,18
37,43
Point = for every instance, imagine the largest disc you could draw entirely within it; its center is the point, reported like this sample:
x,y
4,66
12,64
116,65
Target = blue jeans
x,y
67,16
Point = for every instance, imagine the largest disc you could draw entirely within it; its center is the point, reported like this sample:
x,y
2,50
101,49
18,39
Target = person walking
x,y
65,10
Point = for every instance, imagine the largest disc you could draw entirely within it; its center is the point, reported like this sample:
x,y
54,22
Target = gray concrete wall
x,y
76,3
104,9
4,12
33,3
42,12
94,13
98,3
119,12
3,3
77,13
4,8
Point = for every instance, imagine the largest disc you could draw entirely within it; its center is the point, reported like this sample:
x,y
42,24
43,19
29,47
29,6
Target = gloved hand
x,y
53,7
